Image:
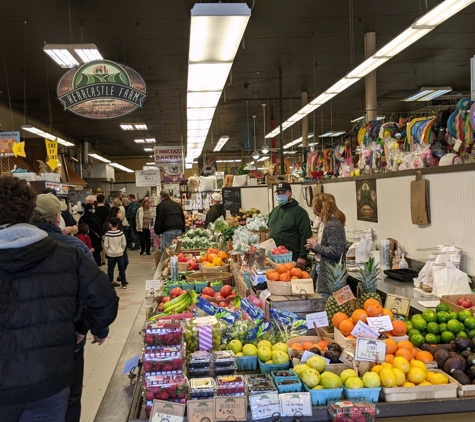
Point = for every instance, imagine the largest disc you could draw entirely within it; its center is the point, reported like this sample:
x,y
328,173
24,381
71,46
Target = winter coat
x,y
95,229
214,213
290,226
132,212
169,216
45,286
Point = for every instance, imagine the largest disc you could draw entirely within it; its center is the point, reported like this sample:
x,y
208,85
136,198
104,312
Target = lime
x,y
442,316
462,334
412,332
453,314
447,336
454,325
443,327
469,322
416,317
409,326
431,338
463,315
471,333
442,307
432,328
420,324
429,315
417,340
439,340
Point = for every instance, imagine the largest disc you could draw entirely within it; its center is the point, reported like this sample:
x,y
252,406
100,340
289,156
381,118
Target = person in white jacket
x,y
114,245
144,224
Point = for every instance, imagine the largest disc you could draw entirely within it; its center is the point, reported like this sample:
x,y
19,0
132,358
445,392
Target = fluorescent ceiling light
x,y
140,126
441,13
401,42
366,67
323,98
290,152
263,158
251,163
341,85
222,141
203,99
197,132
238,160
150,140
427,94
121,167
148,149
362,117
124,126
200,113
207,76
98,157
199,124
290,144
38,132
139,141
153,163
64,143
71,55
332,134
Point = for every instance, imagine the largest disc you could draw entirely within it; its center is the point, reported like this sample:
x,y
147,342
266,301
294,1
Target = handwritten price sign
x,y
264,405
200,409
399,305
295,403
230,408
370,350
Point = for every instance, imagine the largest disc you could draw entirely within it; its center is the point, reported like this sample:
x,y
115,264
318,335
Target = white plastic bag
x,y
450,281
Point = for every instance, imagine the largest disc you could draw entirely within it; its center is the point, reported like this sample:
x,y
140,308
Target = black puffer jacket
x,y
169,216
43,285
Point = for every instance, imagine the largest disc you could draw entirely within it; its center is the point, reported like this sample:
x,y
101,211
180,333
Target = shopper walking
x,y
114,245
216,210
131,215
169,219
64,293
330,244
95,230
143,222
115,212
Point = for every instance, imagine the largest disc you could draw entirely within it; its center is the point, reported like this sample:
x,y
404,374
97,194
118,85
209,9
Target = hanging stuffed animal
x,y
193,185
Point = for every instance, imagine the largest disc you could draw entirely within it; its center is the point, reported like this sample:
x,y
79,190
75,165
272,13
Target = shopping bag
x,y
420,204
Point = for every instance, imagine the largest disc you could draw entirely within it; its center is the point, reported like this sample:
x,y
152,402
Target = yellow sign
x,y
52,154
19,149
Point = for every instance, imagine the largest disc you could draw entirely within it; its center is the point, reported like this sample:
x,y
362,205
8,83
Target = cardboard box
x,y
29,177
51,177
451,301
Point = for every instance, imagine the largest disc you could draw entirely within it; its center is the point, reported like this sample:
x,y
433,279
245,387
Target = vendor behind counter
x,y
289,224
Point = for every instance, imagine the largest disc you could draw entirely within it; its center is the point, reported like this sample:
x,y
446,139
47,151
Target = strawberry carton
x,y
164,360
163,333
163,387
353,411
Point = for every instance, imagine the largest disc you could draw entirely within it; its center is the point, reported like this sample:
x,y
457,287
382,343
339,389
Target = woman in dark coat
x,y
95,230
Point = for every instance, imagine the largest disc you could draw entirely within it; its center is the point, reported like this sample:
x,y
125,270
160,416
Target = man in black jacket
x,y
51,295
216,210
169,219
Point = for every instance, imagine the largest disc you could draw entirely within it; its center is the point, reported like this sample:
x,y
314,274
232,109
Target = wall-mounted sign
x,y
7,142
147,177
102,90
366,201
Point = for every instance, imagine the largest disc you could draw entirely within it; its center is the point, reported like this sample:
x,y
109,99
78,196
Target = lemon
x,y
387,365
429,376
408,384
401,363
424,383
377,369
388,378
416,375
400,377
438,378
418,364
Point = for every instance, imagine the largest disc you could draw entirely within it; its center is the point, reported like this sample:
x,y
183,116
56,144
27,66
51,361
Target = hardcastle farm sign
x,y
102,90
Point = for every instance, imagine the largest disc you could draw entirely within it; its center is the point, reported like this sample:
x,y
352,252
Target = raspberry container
x,y
230,386
202,388
163,333
164,387
164,360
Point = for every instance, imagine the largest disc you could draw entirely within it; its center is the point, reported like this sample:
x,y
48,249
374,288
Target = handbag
x,y
420,204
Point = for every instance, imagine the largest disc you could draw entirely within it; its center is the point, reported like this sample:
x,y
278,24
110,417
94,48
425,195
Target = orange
x,y
319,347
388,312
305,274
425,357
323,343
414,352
405,344
374,310
370,301
307,345
269,272
274,276
297,272
346,327
337,318
389,358
284,277
358,315
391,346
289,266
203,258
297,346
405,353
399,328
280,268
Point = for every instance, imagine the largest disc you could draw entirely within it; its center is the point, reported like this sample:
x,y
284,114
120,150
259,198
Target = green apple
x,y
371,380
330,380
249,350
280,346
264,353
279,357
298,369
354,382
235,346
310,377
317,362
347,373
266,343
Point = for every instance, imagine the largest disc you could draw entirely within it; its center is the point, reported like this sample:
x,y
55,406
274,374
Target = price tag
x,y
200,409
380,324
264,405
295,403
348,357
264,295
303,286
399,305
343,295
152,287
230,408
317,319
370,350
363,330
172,412
307,355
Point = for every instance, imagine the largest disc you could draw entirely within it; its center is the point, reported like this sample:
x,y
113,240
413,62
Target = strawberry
x,y
149,339
163,395
147,366
149,395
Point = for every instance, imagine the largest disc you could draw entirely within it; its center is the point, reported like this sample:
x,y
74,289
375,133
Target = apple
x,y
464,302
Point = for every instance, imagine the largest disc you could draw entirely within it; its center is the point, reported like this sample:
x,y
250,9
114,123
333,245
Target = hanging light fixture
x,y
255,154
265,148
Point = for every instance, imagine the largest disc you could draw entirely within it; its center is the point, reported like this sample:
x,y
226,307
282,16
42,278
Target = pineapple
x,y
368,282
336,276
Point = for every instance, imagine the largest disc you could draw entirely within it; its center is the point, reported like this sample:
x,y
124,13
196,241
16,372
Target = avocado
x,y
461,377
441,356
333,356
453,354
466,353
471,359
471,372
456,362
334,346
315,350
462,343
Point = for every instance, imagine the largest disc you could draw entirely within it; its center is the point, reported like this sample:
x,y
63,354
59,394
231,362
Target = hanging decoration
x,y
52,154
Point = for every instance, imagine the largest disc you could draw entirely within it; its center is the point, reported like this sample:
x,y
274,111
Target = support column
x,y
472,78
304,97
371,109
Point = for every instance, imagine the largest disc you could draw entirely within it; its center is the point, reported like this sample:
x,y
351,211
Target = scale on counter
x,y
402,275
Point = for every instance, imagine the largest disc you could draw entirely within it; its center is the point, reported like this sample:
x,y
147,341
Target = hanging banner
x,y
52,154
147,177
8,141
171,159
102,89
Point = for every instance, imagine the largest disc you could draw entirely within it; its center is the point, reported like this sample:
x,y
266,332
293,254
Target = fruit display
x,y
353,411
286,272
163,333
329,350
213,258
230,385
336,276
224,362
163,359
202,388
259,383
368,279
179,301
200,364
188,259
280,254
160,387
210,337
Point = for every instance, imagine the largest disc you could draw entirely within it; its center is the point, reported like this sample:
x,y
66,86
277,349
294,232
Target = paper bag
x,y
420,204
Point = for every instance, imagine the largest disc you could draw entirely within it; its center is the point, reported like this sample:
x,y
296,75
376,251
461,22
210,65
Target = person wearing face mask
x,y
289,224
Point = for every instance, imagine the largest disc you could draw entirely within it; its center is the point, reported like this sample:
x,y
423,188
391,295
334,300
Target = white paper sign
x,y
173,412
200,409
380,324
370,350
363,330
152,287
318,319
348,357
230,408
399,305
307,355
303,286
147,177
295,403
264,405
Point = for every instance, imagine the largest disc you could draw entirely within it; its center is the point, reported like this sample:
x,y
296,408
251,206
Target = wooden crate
x,y
302,307
451,301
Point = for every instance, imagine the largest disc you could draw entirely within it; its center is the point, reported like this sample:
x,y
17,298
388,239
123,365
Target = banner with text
x,y
171,159
147,177
8,140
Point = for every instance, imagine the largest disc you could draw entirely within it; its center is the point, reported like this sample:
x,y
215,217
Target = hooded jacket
x,y
214,213
45,286
290,226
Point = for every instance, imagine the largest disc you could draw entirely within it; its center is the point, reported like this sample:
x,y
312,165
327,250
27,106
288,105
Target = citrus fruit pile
x,y
440,326
286,272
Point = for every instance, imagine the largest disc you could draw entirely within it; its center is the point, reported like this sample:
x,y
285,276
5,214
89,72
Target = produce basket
x,y
187,285
266,368
276,377
366,394
288,388
246,363
182,266
205,269
216,287
281,259
200,285
279,288
225,277
172,284
321,397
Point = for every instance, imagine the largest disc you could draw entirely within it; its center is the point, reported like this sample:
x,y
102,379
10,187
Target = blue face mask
x,y
282,199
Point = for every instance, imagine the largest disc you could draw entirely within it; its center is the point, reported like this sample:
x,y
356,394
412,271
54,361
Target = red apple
x,y
464,302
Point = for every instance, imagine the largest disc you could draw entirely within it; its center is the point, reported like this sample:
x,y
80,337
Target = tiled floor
x,y
100,361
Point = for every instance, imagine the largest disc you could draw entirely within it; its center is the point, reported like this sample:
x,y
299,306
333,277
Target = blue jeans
x,y
134,234
168,236
51,409
119,260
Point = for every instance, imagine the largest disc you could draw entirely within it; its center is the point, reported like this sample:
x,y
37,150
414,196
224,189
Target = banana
x,y
175,301
181,308
180,305
193,297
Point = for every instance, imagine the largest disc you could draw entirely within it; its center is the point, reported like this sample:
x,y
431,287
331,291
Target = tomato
x,y
273,251
175,292
226,291
206,297
223,304
219,297
166,299
208,291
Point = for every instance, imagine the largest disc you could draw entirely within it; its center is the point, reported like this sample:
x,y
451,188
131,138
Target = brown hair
x,y
17,201
324,203
117,202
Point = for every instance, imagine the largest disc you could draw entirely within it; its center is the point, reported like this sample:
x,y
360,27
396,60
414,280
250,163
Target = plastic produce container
x,y
267,368
164,333
288,386
280,375
346,410
202,388
202,333
246,363
162,387
200,364
200,285
281,259
163,359
259,383
322,397
367,394
230,385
